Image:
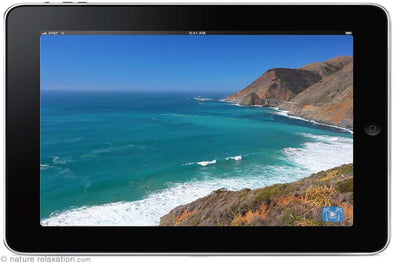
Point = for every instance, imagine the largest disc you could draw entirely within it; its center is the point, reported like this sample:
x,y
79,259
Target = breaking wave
x,y
234,158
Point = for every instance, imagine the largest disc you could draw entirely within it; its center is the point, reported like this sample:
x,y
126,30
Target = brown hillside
x,y
328,67
330,100
280,83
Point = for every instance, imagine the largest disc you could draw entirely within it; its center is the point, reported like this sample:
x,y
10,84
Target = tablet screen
x,y
196,128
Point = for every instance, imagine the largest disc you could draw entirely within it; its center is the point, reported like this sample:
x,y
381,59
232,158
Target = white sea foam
x,y
234,158
232,103
205,163
320,152
58,160
237,104
286,114
147,212
44,166
202,99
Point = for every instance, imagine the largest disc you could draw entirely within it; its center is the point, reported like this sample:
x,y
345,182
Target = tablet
x,y
186,129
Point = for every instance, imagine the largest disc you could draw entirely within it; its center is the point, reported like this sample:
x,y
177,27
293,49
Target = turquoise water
x,y
111,158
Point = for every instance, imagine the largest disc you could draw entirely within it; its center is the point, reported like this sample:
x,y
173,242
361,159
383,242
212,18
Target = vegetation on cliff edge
x,y
291,204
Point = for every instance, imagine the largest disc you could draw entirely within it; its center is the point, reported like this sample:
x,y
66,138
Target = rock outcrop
x,y
252,99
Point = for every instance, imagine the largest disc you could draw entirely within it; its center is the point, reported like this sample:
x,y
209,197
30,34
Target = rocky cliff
x,y
321,91
298,203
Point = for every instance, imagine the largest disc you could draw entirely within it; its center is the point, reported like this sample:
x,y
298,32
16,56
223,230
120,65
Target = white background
x,y
388,256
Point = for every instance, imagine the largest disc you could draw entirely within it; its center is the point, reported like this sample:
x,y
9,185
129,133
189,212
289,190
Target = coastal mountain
x,y
320,91
279,83
297,203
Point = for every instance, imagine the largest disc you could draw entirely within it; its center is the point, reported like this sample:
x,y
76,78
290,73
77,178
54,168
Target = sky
x,y
178,63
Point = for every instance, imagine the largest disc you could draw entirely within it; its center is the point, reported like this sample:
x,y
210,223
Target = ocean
x,y
126,159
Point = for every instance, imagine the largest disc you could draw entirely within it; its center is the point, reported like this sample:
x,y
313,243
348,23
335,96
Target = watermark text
x,y
45,259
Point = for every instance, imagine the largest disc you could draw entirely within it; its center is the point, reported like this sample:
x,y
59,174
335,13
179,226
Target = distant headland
x,y
320,91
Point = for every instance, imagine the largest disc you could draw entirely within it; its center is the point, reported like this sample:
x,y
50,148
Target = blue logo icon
x,y
332,214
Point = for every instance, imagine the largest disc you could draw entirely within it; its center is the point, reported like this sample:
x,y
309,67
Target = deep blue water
x,y
110,158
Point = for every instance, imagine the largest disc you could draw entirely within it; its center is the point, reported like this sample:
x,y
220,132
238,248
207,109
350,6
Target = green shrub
x,y
346,185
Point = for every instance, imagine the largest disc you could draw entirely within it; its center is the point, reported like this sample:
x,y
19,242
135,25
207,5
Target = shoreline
x,y
318,122
288,114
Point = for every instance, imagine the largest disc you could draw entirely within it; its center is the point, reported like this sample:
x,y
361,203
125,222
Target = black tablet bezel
x,y
369,24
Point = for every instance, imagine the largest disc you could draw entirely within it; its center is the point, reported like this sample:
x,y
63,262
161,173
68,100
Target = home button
x,y
372,129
